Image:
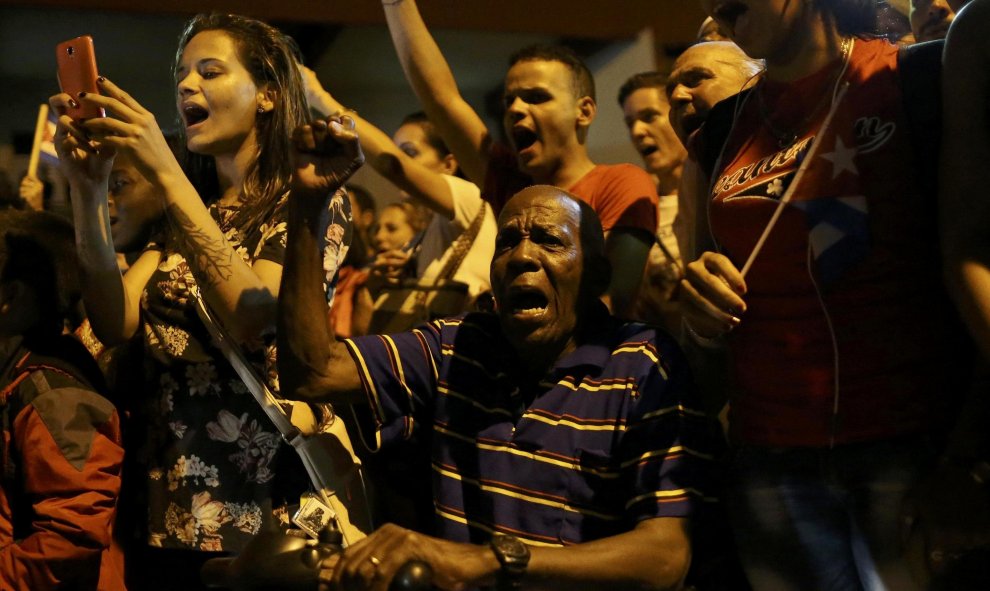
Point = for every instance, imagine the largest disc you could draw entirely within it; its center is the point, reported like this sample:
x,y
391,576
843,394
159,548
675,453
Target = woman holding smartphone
x,y
218,470
836,321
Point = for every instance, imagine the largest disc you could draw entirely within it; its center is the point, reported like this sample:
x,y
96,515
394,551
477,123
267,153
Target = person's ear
x,y
586,109
266,99
449,164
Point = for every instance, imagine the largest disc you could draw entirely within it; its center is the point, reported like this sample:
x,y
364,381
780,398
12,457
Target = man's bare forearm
x,y
655,555
312,365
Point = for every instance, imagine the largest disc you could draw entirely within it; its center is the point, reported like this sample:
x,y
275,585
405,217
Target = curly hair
x,y
417,216
271,57
38,249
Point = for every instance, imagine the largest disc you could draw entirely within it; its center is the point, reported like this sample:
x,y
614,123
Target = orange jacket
x,y
61,465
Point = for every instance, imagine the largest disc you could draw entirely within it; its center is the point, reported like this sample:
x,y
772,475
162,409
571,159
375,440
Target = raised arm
x,y
111,301
312,366
963,202
244,296
431,79
424,185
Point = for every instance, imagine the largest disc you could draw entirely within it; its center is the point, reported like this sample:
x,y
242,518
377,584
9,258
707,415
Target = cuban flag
x,y
839,233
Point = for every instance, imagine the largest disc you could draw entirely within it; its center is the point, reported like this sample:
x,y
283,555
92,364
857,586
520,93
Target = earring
x,y
261,110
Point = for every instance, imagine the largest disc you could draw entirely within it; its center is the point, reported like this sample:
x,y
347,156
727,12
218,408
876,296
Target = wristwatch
x,y
513,555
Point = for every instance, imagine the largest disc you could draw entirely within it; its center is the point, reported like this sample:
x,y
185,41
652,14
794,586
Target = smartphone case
x,y
77,73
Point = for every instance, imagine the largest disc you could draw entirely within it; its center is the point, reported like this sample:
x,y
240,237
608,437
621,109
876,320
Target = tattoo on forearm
x,y
211,260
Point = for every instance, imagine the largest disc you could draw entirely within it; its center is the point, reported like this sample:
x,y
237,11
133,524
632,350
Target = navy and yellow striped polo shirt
x,y
610,437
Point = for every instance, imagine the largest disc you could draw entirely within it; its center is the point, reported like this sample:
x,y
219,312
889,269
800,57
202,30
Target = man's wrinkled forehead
x,y
540,209
711,54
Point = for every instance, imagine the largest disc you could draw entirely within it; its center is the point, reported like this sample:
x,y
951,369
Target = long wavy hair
x,y
270,57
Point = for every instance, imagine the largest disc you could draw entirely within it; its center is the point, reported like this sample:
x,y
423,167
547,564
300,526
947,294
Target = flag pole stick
x,y
39,134
789,194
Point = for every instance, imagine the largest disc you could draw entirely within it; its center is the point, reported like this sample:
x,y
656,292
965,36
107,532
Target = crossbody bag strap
x,y
315,458
242,367
458,251
462,245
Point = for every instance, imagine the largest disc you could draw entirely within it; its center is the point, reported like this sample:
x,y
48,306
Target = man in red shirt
x,y
550,104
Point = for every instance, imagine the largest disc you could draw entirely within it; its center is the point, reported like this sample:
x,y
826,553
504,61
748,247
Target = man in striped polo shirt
x,y
566,450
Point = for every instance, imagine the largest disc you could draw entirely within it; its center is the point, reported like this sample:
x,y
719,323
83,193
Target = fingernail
x,y
735,321
336,126
73,104
82,94
101,79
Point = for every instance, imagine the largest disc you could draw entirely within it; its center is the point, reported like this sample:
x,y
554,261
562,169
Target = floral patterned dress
x,y
217,467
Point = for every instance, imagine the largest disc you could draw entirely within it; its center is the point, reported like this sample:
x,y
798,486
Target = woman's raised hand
x,y
325,154
133,130
711,292
391,264
83,161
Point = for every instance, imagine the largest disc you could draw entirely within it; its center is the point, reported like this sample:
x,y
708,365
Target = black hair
x,y
38,249
363,198
851,18
582,81
357,254
432,137
642,80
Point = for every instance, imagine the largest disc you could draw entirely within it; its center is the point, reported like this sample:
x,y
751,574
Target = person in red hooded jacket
x,y
60,453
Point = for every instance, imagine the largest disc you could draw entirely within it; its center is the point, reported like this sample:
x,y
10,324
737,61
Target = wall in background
x,y
359,67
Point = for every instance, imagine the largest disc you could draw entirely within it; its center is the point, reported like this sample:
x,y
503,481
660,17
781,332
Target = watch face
x,y
511,549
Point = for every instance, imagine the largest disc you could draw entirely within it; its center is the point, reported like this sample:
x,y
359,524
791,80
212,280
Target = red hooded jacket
x,y
61,459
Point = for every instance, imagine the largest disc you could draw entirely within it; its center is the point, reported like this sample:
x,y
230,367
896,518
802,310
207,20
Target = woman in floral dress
x,y
217,469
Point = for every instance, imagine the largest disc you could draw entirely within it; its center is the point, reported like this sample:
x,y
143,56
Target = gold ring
x,y
374,560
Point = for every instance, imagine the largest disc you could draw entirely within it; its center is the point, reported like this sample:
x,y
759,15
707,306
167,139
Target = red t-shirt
x,y
843,303
623,195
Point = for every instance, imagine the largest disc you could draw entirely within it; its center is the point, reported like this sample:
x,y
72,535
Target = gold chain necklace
x,y
786,137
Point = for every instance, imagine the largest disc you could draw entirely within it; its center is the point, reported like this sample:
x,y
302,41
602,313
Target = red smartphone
x,y
77,73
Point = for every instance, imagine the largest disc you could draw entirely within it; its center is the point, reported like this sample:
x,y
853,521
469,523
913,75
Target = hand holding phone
x,y
77,73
